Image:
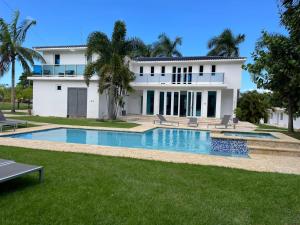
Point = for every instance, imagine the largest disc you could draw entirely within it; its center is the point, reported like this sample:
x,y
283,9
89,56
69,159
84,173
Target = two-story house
x,y
200,86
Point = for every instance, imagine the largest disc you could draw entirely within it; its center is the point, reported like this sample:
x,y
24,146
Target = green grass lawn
x,y
266,128
89,189
78,122
7,106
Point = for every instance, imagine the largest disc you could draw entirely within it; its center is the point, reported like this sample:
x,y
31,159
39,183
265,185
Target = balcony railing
x,y
59,70
179,79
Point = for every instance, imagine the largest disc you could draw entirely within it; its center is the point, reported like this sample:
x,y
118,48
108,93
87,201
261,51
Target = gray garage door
x,y
77,102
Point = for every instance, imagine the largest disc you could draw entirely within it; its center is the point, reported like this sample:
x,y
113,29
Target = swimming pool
x,y
166,139
249,134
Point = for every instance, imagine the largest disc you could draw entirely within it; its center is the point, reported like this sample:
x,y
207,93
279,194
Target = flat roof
x,y
186,58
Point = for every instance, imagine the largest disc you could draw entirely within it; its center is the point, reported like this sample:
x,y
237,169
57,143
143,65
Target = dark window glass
x,y
161,102
58,87
152,70
184,75
141,70
190,75
56,59
213,70
163,70
150,102
178,75
211,103
175,107
169,96
89,59
201,70
174,74
198,104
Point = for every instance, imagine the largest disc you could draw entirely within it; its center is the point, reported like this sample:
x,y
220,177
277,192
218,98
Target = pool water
x,y
160,138
251,135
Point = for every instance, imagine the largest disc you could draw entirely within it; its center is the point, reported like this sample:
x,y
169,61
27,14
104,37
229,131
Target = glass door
x,y
198,103
150,102
211,104
190,103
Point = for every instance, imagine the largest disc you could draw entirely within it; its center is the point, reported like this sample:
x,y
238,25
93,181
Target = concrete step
x,y
274,151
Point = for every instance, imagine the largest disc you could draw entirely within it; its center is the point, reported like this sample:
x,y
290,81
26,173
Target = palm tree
x,y
166,47
12,36
112,65
226,44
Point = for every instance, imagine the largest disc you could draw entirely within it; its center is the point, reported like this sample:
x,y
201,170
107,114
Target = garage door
x,y
77,102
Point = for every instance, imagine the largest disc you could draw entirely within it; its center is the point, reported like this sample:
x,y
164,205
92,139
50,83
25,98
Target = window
x,y
152,71
161,102
184,75
281,116
190,74
178,75
163,70
56,59
201,70
141,71
58,87
174,75
271,115
89,59
213,70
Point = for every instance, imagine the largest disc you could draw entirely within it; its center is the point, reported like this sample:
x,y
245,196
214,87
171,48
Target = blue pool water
x,y
160,138
251,135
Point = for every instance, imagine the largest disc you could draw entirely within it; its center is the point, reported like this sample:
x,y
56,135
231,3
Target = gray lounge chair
x,y
162,120
11,122
3,124
224,121
193,122
10,170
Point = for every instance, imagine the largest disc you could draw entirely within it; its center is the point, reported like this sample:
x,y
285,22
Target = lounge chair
x,y
224,121
162,120
10,170
3,124
11,122
193,122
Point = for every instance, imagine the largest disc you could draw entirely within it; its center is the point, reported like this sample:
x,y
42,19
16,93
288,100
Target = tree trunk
x,y
13,93
111,105
290,112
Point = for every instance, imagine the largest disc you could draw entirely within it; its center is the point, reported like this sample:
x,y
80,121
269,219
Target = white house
x,y
200,86
278,117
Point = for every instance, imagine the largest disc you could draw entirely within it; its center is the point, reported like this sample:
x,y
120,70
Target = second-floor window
x,y
201,70
88,59
163,70
141,71
213,70
152,71
56,59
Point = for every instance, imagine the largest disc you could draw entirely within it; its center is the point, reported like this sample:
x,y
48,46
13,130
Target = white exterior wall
x,y
276,119
66,57
48,101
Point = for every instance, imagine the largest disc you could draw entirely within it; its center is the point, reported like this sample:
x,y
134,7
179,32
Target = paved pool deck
x,y
256,162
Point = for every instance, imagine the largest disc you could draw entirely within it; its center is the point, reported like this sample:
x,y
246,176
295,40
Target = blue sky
x,y
196,21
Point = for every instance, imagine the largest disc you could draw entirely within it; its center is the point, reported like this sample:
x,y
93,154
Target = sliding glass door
x,y
211,104
150,102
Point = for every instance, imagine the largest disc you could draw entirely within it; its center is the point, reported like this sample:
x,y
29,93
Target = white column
x,y
204,104
144,102
156,102
234,101
218,104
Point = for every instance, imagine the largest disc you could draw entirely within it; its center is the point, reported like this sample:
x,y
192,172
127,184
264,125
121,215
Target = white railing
x,y
182,78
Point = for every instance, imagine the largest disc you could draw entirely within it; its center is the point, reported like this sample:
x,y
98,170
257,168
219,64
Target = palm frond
x,y
23,28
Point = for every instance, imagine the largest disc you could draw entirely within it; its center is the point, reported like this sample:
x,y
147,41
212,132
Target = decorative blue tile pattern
x,y
229,146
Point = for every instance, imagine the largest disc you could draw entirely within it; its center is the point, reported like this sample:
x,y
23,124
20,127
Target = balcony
x,y
179,79
59,70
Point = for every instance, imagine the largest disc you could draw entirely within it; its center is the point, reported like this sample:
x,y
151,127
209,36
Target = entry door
x,y
77,102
